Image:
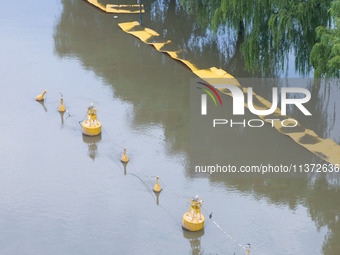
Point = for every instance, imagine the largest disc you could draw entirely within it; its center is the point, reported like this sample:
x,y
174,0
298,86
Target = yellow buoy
x,y
124,159
61,107
41,97
91,126
194,220
157,188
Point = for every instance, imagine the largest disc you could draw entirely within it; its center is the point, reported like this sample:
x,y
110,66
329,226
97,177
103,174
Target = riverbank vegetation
x,y
273,30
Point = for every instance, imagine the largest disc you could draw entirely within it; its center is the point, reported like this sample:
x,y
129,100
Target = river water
x,y
62,193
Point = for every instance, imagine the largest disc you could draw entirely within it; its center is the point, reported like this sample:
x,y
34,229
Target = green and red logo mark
x,y
209,93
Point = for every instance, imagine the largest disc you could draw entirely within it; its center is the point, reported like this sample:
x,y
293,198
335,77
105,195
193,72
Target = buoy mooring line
x,y
192,220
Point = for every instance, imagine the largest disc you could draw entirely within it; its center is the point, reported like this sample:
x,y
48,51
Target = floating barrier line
x,y
325,149
117,8
119,164
154,194
225,233
79,122
140,171
154,197
147,188
163,184
145,175
111,139
243,247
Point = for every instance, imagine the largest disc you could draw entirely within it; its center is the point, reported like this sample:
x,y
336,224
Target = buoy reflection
x,y
194,240
92,142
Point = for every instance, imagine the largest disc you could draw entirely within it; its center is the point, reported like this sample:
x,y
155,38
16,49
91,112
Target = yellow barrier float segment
x,y
117,8
157,188
125,158
41,97
97,4
326,149
124,8
61,107
91,126
194,220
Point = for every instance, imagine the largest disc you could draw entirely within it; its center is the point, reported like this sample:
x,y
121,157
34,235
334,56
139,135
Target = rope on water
x,y
69,114
82,119
179,195
147,188
141,172
111,139
245,247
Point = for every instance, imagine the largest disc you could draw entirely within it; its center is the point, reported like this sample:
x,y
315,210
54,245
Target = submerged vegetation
x,y
270,30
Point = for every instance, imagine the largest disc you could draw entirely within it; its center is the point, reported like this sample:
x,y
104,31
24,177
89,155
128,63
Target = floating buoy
x,y
41,97
157,188
194,220
124,159
61,107
91,126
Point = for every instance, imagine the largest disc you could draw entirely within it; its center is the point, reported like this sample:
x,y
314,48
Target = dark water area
x,y
62,193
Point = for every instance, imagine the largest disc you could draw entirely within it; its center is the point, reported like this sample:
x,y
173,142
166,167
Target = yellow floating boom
x,y
326,149
123,8
117,8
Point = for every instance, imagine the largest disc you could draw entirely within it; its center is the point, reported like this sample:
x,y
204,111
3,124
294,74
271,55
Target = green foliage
x,y
271,29
325,55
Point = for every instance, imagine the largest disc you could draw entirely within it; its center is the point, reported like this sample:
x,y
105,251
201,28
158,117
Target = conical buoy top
x,y
40,97
124,159
61,107
157,188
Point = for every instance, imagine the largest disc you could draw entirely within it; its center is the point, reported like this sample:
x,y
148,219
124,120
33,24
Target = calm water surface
x,y
61,193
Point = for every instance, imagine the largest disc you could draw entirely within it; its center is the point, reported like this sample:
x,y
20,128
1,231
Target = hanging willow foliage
x,y
325,55
272,29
